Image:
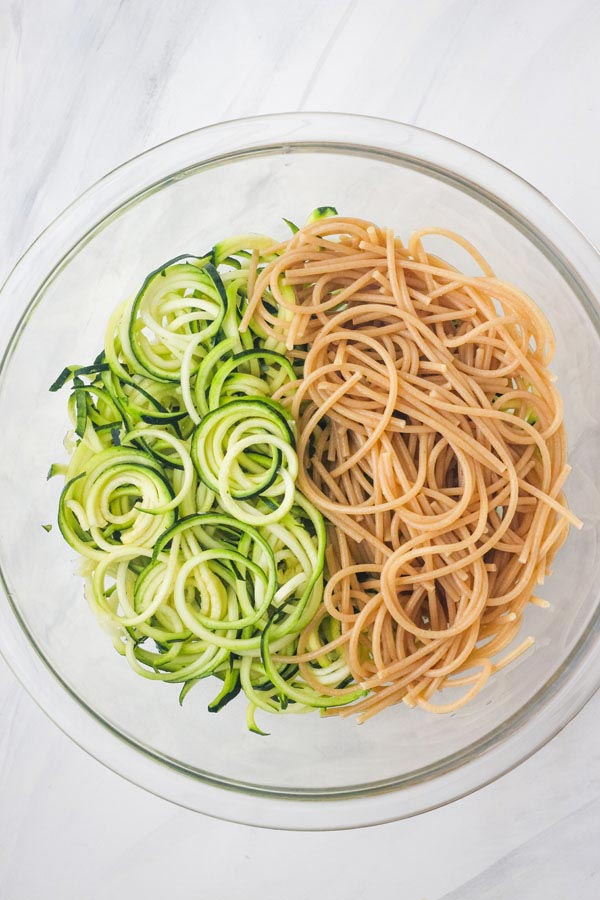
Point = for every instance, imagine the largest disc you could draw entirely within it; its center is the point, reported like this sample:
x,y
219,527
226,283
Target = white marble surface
x,y
84,84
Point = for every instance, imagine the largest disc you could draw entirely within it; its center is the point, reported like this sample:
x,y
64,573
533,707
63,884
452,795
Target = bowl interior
x,y
65,324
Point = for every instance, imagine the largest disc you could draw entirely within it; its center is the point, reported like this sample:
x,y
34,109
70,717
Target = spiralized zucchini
x,y
200,555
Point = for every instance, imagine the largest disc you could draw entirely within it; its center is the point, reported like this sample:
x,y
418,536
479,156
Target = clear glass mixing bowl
x,y
181,197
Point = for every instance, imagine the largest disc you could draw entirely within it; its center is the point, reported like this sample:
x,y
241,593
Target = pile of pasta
x,y
430,436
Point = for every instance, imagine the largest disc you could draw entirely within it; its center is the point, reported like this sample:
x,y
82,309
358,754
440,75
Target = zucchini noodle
x,y
200,555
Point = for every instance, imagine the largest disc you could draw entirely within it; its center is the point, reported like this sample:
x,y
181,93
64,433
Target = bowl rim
x,y
449,778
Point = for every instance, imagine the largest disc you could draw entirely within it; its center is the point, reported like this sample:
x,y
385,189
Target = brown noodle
x,y
431,438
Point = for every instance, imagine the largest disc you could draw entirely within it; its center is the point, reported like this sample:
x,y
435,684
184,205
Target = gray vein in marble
x,y
559,863
459,23
327,49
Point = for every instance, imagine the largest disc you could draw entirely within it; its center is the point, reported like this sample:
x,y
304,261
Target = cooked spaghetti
x,y
430,436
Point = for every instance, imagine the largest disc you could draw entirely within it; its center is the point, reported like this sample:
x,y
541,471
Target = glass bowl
x,y
180,198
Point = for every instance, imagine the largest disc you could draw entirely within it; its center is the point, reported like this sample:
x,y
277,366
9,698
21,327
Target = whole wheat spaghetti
x,y
431,438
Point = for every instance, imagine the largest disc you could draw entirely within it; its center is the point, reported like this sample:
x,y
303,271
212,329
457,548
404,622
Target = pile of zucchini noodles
x,y
200,555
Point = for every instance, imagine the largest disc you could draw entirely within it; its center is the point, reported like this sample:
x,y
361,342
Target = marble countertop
x,y
85,84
